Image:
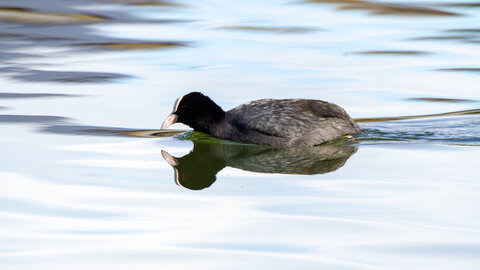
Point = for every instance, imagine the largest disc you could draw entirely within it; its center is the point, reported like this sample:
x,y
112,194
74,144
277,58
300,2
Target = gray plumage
x,y
274,122
286,122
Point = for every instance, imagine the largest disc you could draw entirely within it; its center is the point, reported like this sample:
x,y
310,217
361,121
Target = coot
x,y
274,122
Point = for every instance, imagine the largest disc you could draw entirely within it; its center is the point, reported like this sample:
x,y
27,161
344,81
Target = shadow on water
x,y
198,169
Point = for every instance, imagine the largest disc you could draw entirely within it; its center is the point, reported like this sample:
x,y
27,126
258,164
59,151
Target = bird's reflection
x,y
197,170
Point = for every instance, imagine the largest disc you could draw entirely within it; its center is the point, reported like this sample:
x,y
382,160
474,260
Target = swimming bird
x,y
274,122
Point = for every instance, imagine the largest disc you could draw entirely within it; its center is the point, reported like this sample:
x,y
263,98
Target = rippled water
x,y
89,182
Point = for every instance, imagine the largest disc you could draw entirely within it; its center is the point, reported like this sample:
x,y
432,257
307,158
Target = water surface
x,y
89,182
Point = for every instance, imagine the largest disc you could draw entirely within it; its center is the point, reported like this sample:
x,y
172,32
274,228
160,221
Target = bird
x,y
273,122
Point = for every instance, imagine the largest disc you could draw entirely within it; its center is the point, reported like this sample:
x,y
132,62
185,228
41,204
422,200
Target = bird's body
x,y
275,122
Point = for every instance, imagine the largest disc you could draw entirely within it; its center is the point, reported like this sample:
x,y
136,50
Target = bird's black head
x,y
197,111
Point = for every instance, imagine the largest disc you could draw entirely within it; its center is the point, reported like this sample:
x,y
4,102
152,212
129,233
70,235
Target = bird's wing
x,y
287,118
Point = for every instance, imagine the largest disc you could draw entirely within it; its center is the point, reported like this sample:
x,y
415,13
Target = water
x,y
89,182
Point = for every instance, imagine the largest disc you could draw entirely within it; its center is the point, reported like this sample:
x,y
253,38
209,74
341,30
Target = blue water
x,y
87,180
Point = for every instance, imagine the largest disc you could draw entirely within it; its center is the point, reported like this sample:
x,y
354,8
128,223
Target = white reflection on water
x,y
359,217
407,199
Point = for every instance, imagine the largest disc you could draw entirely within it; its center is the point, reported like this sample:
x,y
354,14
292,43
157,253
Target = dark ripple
x,y
391,52
136,45
160,3
392,8
68,76
463,5
469,69
39,119
464,30
466,35
398,118
271,29
449,100
107,131
27,25
460,130
33,95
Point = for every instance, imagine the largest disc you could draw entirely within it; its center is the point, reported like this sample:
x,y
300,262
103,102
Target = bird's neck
x,y
209,123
